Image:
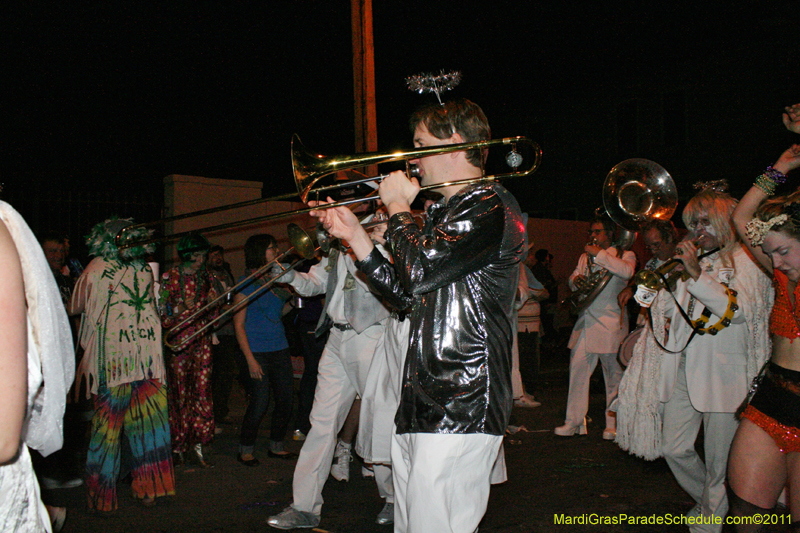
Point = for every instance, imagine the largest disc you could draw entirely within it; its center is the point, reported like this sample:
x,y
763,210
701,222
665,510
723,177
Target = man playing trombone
x,y
460,271
356,318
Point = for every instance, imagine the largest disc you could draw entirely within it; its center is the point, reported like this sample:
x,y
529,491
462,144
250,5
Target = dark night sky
x,y
124,93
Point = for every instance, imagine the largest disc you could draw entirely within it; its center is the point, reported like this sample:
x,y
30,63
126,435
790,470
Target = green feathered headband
x,y
101,240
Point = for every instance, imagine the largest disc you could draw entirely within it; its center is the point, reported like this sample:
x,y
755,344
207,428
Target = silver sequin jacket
x,y
459,276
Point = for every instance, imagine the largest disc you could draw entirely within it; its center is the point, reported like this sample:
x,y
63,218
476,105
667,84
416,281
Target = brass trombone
x,y
309,168
301,243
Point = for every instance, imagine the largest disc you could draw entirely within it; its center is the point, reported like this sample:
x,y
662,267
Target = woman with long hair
x,y
262,339
765,453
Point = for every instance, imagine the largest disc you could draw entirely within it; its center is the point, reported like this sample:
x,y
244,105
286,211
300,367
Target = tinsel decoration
x,y
102,240
434,83
718,186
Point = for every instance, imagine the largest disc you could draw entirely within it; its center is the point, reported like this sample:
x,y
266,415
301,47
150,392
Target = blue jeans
x,y
277,367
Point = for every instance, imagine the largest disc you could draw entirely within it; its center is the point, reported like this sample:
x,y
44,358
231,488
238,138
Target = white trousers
x,y
441,481
705,482
343,369
581,366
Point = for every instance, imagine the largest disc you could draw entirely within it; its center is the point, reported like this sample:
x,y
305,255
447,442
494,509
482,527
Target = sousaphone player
x,y
600,327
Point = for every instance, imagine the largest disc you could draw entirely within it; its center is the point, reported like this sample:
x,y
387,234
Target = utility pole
x,y
366,126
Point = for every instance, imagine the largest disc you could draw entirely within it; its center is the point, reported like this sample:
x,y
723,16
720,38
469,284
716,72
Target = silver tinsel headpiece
x,y
719,186
430,83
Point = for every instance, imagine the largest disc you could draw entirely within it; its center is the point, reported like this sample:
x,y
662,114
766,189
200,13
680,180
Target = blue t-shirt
x,y
263,323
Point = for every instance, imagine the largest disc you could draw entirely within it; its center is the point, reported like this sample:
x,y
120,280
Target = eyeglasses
x,y
694,224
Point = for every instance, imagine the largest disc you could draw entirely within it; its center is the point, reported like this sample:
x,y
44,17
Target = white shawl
x,y
51,357
638,406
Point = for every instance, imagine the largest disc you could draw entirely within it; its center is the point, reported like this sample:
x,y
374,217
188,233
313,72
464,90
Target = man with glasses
x,y
600,327
660,239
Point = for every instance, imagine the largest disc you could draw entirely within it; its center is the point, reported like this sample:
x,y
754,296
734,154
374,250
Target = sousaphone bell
x,y
635,192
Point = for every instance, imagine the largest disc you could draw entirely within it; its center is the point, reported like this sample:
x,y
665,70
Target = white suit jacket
x,y
719,368
360,307
602,322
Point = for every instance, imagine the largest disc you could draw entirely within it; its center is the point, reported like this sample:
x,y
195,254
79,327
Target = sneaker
x,y
298,435
291,518
386,516
340,469
52,483
527,402
367,470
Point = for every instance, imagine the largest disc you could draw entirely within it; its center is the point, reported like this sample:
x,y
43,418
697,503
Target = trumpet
x,y
301,244
665,275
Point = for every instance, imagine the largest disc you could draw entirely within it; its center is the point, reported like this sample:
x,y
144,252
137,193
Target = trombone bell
x,y
301,241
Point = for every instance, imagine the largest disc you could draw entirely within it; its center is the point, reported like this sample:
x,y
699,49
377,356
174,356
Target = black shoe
x,y
247,462
281,455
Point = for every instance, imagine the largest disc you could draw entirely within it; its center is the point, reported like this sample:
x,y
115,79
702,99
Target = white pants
x,y
441,481
705,482
343,369
581,366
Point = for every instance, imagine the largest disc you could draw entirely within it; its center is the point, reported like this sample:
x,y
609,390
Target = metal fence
x,y
70,213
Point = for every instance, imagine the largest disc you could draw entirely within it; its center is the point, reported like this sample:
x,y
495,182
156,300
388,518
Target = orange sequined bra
x,y
784,318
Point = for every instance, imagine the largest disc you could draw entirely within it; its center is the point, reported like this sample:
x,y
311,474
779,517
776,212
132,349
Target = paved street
x,y
549,476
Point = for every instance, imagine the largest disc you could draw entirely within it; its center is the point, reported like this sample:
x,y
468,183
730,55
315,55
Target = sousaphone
x,y
635,192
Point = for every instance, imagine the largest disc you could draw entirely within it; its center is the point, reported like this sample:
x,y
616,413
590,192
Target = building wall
x,y
185,194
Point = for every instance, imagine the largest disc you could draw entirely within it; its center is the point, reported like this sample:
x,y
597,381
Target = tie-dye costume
x,y
123,369
191,413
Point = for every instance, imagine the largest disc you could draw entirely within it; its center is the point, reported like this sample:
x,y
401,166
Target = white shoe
x,y
340,469
298,435
386,516
527,402
291,518
567,430
367,471
609,434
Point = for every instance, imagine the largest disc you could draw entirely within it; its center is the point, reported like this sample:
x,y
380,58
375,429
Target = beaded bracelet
x,y
775,175
769,180
765,185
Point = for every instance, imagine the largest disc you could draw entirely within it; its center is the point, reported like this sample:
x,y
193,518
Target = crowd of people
x,y
418,339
